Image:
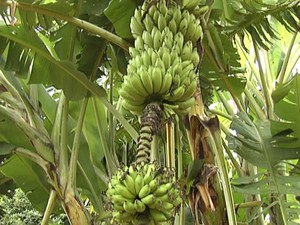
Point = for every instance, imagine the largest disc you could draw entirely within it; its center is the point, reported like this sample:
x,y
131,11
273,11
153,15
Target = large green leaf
x,y
287,108
221,63
255,143
6,184
29,177
253,17
45,72
119,13
90,129
88,180
12,134
47,68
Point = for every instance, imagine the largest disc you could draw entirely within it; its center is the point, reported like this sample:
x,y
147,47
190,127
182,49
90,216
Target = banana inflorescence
x,y
161,80
151,121
164,58
144,194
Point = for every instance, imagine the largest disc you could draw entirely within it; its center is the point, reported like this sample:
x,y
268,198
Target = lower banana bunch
x,y
164,60
144,194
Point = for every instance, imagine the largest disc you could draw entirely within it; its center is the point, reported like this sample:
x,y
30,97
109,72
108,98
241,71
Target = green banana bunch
x,y
164,58
197,7
143,191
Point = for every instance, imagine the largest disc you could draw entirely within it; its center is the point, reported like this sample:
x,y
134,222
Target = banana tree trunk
x,y
206,195
75,210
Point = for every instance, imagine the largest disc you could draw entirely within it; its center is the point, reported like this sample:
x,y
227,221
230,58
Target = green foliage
x,y
17,210
120,13
252,17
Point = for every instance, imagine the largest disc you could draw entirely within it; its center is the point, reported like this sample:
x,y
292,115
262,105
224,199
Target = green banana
x,y
133,52
186,51
148,40
145,190
153,184
197,35
189,91
139,206
163,189
149,175
128,87
128,95
190,4
138,85
138,183
158,216
157,38
110,192
121,215
154,56
149,25
147,81
137,110
186,104
201,10
149,199
189,66
167,206
118,199
179,40
191,30
136,27
173,26
129,184
139,43
177,14
146,58
161,22
166,59
177,201
166,83
132,171
129,207
194,57
163,9
122,190
176,94
183,26
157,79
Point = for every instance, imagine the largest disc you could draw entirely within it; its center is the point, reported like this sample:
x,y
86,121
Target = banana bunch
x,y
144,194
164,59
197,7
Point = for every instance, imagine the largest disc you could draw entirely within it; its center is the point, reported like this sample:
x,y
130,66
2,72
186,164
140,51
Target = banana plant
x,y
257,132
50,135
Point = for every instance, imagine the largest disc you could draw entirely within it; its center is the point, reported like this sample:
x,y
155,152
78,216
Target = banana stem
x,y
75,149
49,208
155,148
265,87
282,75
170,162
151,121
63,153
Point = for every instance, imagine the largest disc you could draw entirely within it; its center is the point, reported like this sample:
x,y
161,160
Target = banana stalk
x,y
151,122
